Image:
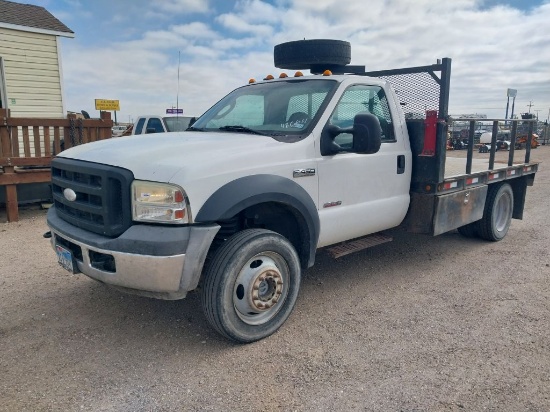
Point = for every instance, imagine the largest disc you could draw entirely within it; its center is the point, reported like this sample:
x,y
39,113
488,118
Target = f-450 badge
x,y
304,172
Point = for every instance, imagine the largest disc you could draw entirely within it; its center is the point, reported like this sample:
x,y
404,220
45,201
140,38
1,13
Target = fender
x,y
248,191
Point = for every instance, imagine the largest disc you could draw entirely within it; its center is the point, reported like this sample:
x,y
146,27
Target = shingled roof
x,y
35,17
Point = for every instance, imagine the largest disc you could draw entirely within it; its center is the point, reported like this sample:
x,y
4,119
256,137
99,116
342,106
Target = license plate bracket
x,y
66,259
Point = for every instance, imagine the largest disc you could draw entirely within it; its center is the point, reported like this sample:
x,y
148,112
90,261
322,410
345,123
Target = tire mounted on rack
x,y
312,54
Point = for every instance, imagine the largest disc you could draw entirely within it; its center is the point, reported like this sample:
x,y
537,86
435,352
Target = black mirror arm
x,y
328,145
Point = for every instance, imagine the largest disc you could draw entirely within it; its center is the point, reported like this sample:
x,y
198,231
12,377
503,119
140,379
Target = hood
x,y
159,157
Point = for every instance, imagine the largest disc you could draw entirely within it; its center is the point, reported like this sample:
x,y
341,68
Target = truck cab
x,y
312,122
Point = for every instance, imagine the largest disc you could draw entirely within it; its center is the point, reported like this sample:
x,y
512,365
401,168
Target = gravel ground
x,y
418,324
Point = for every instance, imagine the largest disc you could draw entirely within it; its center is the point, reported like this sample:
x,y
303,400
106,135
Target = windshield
x,y
177,124
285,110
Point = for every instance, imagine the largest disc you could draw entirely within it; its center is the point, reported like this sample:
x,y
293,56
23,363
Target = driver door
x,y
361,194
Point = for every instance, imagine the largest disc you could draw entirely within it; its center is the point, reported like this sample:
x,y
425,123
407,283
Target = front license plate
x,y
65,258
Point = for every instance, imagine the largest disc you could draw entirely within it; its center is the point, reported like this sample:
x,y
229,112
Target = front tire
x,y
497,214
251,285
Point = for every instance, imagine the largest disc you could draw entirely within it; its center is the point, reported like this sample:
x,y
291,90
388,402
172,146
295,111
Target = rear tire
x,y
251,285
497,214
469,230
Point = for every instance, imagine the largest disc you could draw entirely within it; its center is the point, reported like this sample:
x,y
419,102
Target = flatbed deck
x,y
456,177
456,166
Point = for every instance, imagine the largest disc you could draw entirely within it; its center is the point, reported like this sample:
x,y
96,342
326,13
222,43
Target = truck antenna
x,y
178,89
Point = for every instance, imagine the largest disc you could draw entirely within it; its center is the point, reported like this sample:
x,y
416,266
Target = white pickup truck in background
x,y
161,124
118,130
237,206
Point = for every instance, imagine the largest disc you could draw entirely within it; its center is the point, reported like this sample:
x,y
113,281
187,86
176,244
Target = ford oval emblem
x,y
69,194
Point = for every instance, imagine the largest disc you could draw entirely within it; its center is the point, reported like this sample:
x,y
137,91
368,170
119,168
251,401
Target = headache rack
x,y
423,92
448,192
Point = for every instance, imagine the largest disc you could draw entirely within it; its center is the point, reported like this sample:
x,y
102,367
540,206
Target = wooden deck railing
x,y
27,146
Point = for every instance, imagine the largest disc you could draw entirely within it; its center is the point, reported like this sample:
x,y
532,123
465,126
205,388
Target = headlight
x,y
159,202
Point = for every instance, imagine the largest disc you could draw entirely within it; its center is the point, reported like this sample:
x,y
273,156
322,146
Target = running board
x,y
346,248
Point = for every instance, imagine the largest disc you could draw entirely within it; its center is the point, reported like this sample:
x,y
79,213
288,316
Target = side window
x,y
360,99
156,124
139,126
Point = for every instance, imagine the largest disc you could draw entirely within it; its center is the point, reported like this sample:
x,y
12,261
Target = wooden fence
x,y
27,146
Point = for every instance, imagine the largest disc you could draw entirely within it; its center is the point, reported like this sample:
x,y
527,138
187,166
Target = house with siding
x,y
31,80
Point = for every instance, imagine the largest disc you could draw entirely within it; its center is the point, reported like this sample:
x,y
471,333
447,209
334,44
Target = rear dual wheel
x,y
497,215
251,285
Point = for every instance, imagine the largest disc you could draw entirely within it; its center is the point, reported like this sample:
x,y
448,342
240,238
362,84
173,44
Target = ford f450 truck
x,y
237,206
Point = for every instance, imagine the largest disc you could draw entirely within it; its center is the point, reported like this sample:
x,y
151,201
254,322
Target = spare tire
x,y
303,54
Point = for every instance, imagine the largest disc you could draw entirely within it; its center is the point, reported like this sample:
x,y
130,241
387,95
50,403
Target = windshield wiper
x,y
242,129
194,129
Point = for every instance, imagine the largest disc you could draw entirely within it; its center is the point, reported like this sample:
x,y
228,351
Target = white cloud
x,y
238,24
181,6
227,45
492,49
258,11
196,30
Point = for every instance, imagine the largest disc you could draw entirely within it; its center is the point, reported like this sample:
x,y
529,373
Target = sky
x,y
154,55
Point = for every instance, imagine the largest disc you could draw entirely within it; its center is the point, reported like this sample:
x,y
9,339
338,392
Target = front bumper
x,y
163,262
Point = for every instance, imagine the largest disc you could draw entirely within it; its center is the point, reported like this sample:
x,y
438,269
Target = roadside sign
x,y
103,104
174,111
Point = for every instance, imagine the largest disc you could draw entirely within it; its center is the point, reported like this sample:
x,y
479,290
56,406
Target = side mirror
x,y
367,133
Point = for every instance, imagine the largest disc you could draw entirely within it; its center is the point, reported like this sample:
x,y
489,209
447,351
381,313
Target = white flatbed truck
x,y
237,206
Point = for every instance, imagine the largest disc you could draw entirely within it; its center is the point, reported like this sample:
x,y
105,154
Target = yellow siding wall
x,y
32,76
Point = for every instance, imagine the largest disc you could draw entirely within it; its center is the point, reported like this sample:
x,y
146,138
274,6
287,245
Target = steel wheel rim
x,y
261,288
502,212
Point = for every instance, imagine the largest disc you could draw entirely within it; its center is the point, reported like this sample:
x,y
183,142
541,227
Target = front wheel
x,y
497,215
251,285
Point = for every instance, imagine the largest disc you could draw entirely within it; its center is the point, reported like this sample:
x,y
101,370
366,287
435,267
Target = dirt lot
x,y
419,324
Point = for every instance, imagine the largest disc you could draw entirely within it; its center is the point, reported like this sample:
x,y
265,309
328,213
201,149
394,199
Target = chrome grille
x,y
102,202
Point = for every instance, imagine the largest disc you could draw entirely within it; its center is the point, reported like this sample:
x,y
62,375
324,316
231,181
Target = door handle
x,y
400,164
